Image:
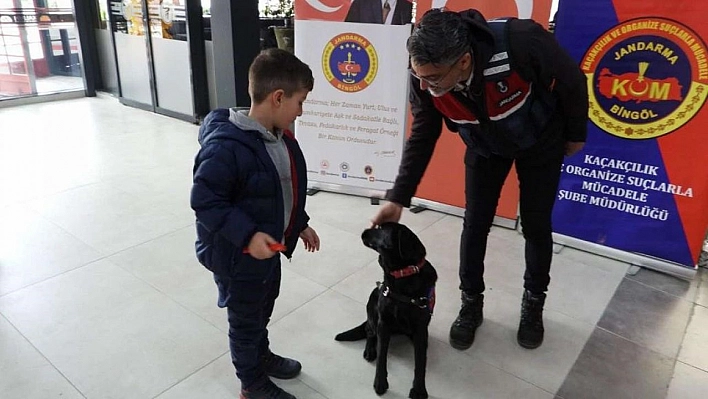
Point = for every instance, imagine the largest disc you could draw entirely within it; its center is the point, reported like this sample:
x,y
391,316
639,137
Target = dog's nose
x,y
366,236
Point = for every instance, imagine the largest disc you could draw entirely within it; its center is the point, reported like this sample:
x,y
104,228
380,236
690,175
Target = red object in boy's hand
x,y
276,247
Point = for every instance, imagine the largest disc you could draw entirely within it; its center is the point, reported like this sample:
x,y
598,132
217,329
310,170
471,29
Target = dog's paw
x,y
380,385
370,354
418,393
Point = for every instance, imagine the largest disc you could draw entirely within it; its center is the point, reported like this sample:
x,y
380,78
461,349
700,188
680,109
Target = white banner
x,y
352,128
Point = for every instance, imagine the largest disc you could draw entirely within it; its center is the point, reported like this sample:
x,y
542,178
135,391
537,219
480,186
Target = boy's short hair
x,y
274,69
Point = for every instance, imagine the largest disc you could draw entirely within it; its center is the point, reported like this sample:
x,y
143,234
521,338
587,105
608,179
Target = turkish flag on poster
x,y
538,10
322,10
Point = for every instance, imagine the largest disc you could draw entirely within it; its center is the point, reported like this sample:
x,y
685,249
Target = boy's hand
x,y
310,239
259,248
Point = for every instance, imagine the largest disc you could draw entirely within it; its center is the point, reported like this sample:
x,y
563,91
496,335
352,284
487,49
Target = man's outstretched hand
x,y
389,212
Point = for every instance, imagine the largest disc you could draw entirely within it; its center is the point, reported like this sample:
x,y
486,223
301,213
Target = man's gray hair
x,y
441,38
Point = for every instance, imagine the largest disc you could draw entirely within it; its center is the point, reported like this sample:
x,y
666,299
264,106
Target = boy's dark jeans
x,y
484,178
249,301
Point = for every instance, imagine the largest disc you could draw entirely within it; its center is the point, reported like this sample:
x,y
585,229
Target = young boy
x,y
248,196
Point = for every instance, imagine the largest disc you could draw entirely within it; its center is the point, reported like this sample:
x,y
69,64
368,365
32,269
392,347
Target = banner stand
x,y
415,202
634,259
644,201
347,190
457,211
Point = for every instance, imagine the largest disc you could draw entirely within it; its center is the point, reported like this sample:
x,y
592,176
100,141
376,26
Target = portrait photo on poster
x,y
381,12
386,12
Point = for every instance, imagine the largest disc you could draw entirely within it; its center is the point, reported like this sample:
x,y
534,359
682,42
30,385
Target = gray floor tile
x,y
495,342
26,374
442,241
579,290
341,254
595,260
170,265
358,286
218,381
647,316
694,349
111,334
53,250
612,367
688,383
671,285
702,295
572,271
338,371
338,209
108,219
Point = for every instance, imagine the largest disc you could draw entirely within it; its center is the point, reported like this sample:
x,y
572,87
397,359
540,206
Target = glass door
x,y
105,49
39,49
160,63
170,56
134,70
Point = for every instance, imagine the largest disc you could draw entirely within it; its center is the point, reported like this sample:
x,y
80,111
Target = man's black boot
x,y
530,334
466,323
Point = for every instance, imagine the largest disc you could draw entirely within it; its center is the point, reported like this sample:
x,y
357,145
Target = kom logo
x,y
647,77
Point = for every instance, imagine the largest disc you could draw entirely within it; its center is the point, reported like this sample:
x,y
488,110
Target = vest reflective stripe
x,y
464,122
497,70
499,57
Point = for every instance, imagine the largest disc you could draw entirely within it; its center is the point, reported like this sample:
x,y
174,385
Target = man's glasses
x,y
436,83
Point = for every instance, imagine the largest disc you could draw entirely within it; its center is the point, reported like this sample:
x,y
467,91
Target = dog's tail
x,y
354,334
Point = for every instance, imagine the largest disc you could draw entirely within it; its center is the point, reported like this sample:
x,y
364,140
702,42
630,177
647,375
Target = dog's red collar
x,y
408,271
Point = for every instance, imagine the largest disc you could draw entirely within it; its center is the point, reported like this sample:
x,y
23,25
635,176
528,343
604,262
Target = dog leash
x,y
422,302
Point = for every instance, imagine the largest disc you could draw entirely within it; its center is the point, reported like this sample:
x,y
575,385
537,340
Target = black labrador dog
x,y
402,304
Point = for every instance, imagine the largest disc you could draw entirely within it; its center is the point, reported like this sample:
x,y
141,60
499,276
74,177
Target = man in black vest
x,y
513,95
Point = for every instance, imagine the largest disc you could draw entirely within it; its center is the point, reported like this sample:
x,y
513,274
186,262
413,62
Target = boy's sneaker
x,y
266,391
281,367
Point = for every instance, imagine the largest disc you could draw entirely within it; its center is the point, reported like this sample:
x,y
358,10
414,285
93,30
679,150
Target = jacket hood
x,y
240,118
216,126
479,31
481,39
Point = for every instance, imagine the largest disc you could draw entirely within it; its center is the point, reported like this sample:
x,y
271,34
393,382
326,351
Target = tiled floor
x,y
52,84
101,295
